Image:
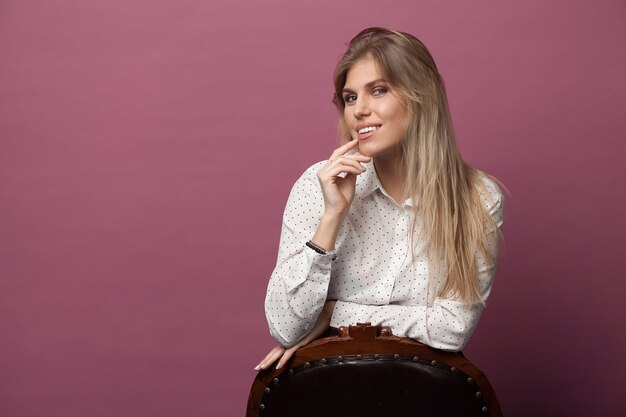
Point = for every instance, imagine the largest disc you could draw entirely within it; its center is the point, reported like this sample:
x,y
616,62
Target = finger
x,y
353,157
343,149
261,363
334,172
268,361
358,156
276,353
308,339
344,162
283,360
355,167
270,358
272,353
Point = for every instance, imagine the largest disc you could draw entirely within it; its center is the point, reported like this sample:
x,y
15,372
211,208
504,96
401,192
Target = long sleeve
x,y
447,324
299,284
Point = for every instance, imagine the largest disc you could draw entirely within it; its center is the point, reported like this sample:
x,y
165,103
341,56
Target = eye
x,y
349,98
379,90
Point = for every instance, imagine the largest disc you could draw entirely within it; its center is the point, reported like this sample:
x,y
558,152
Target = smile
x,y
368,129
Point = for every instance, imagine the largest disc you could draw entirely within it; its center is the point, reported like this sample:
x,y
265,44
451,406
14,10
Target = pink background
x,y
147,149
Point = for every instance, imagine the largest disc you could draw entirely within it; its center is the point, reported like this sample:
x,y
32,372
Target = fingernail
x,y
278,366
256,368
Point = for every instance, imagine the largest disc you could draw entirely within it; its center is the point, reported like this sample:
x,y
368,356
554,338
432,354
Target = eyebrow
x,y
368,85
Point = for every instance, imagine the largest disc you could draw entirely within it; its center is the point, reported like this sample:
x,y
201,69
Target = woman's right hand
x,y
283,354
339,192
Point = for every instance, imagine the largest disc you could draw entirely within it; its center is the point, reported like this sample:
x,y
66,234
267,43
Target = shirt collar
x,y
369,183
369,180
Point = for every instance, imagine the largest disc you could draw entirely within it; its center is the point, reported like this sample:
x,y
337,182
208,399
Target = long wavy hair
x,y
454,221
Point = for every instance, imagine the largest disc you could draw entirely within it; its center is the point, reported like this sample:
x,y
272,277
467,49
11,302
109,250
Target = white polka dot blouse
x,y
369,272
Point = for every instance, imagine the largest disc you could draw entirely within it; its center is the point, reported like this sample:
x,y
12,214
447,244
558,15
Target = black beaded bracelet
x,y
318,249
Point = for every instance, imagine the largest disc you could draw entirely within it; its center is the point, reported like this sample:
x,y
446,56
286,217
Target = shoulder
x,y
305,198
307,183
491,196
310,174
489,189
312,170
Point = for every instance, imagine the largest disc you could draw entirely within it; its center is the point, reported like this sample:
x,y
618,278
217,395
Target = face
x,y
373,111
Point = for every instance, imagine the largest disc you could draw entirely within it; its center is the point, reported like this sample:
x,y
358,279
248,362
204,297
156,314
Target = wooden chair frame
x,y
369,343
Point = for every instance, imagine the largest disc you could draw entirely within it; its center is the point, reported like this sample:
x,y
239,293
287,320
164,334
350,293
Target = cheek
x,y
346,118
345,129
346,123
402,117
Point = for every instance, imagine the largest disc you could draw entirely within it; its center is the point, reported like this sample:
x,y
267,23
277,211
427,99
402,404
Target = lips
x,y
365,131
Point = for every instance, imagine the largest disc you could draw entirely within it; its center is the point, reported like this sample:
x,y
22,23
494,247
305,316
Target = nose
x,y
361,108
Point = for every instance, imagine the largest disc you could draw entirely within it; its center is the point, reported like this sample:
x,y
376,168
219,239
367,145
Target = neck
x,y
392,176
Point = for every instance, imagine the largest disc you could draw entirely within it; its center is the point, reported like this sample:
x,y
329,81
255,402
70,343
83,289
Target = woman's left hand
x,y
322,323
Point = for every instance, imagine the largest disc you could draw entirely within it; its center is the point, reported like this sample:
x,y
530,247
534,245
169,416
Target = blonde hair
x,y
455,221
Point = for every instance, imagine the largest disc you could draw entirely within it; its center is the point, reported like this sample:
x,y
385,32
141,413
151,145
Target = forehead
x,y
362,72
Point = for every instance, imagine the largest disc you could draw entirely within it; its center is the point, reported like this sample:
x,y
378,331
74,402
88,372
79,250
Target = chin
x,y
367,150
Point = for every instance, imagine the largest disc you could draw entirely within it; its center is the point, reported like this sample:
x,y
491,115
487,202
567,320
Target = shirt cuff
x,y
347,314
315,268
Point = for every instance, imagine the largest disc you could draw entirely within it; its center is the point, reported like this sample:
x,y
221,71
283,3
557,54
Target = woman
x,y
394,228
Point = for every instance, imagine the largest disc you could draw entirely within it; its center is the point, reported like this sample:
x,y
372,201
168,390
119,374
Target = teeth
x,y
368,129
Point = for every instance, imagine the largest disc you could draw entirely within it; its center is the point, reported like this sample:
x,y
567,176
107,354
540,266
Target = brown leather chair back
x,y
365,371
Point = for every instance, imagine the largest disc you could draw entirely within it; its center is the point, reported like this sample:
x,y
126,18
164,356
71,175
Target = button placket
x,y
400,250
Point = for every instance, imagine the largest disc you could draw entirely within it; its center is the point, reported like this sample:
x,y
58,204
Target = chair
x,y
365,371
